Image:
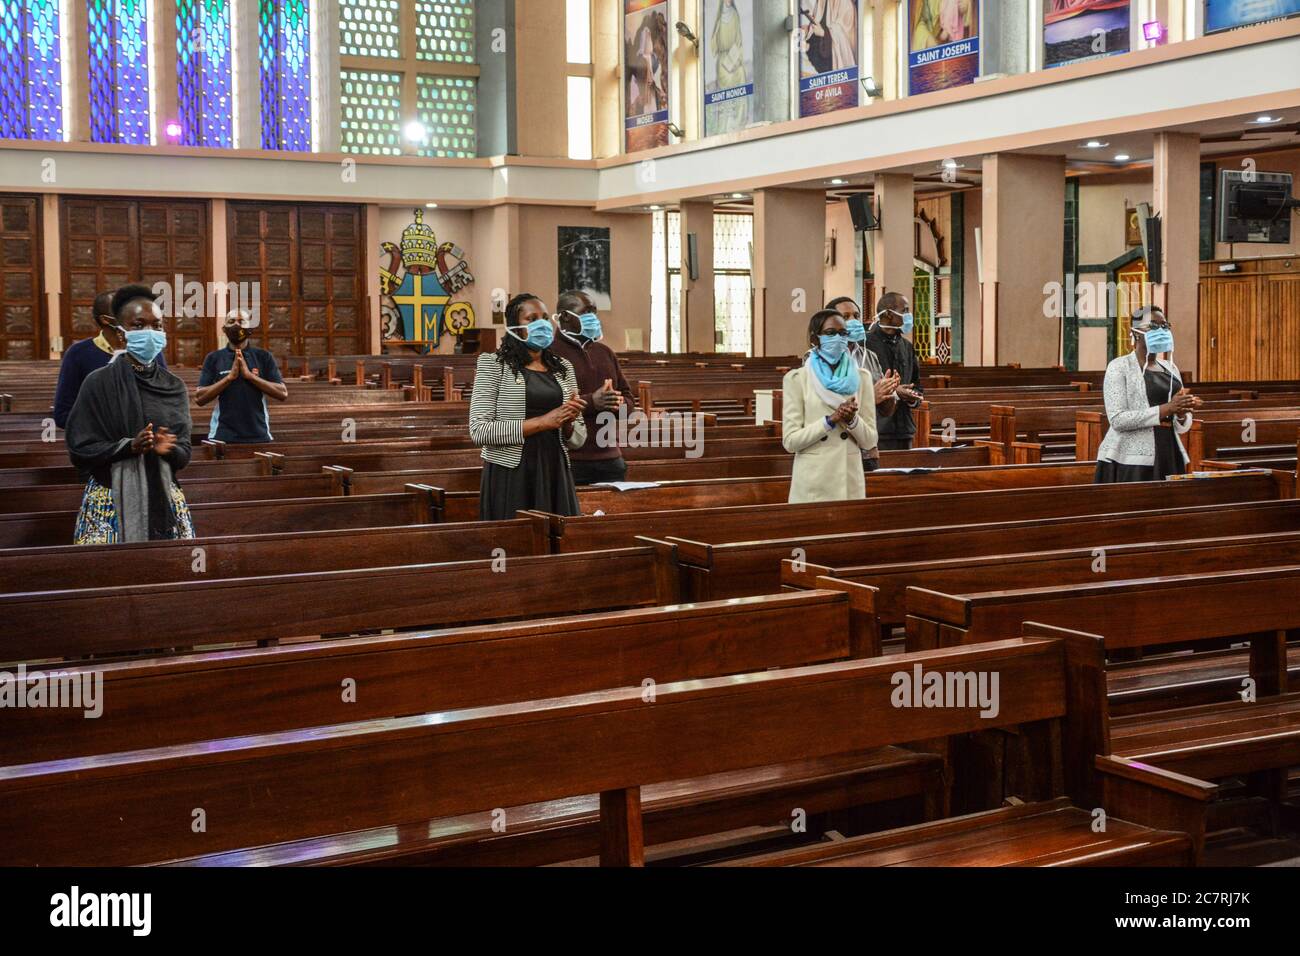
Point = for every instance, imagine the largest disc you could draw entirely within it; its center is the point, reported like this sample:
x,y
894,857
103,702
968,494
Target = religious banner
x,y
828,55
1075,30
944,47
645,73
418,289
728,55
1227,14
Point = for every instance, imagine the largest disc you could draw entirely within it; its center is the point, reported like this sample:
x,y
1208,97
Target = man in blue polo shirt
x,y
82,358
239,377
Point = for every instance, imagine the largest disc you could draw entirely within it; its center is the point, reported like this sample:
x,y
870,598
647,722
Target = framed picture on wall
x,y
1132,228
584,262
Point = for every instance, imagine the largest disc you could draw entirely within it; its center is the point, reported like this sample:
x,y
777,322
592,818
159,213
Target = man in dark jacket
x,y
600,384
896,354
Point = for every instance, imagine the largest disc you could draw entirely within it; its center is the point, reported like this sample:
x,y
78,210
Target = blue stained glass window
x,y
284,55
203,73
31,98
118,46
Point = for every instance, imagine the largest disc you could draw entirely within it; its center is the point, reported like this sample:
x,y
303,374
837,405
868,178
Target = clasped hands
x,y
161,441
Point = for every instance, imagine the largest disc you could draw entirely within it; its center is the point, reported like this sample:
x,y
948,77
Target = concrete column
x,y
1023,235
541,83
697,294
894,242
1176,170
789,238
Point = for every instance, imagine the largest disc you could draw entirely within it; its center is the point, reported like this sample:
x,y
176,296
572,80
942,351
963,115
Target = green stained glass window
x,y
444,30
446,106
371,108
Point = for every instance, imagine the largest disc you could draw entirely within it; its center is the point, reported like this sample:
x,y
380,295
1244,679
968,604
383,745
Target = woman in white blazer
x,y
1146,405
829,416
524,411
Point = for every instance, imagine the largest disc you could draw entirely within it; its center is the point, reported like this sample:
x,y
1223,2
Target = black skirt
x,y
1168,458
542,482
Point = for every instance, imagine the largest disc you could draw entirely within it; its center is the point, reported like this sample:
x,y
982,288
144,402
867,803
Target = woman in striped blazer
x,y
524,411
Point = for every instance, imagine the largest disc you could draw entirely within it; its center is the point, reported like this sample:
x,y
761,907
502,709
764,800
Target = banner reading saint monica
x,y
828,55
944,46
727,52
645,73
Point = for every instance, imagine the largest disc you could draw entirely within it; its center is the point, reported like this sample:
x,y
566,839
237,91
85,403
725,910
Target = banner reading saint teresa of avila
x,y
727,52
828,55
944,47
645,73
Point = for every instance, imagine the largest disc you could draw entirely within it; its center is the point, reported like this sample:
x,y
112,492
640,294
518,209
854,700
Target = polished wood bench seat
x,y
1051,833
568,829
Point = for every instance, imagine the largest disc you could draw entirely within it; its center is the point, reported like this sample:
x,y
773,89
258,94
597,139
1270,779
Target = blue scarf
x,y
842,379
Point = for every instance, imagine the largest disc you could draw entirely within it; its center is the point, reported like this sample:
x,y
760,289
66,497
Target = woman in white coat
x,y
829,416
1146,405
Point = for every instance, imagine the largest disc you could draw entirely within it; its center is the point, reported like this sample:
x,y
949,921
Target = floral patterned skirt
x,y
97,521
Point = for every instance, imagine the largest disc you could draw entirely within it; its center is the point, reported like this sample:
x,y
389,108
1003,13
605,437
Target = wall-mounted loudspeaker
x,y
864,219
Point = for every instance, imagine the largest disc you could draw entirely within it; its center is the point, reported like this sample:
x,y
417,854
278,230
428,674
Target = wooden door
x,y
173,239
1277,344
307,259
1228,328
109,243
101,252
22,313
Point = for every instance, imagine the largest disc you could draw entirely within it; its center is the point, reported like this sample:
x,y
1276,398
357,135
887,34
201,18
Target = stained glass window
x,y
31,104
370,28
203,73
284,65
371,108
446,108
444,30
118,47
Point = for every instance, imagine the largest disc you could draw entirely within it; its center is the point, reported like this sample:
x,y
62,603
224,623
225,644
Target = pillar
x,y
1175,195
894,242
1023,234
697,294
789,239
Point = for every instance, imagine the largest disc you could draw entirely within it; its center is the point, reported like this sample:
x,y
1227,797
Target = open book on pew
x,y
901,471
624,485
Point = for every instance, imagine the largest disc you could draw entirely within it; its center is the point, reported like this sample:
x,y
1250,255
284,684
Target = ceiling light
x,y
431,205
655,208
839,182
1266,119
1121,157
737,195
1094,144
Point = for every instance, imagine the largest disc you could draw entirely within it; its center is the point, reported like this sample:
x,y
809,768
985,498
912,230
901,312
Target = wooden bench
x,y
69,623
197,491
413,506
268,788
249,555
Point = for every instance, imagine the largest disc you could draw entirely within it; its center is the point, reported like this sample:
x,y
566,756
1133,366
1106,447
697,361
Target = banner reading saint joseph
x,y
828,55
645,73
727,51
944,47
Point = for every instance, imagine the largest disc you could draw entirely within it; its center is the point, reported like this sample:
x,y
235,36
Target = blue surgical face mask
x,y
591,325
905,316
541,333
1159,339
145,344
831,347
857,331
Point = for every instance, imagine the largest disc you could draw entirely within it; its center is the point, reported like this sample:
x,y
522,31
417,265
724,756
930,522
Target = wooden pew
x,y
413,506
197,491
250,555
268,788
69,623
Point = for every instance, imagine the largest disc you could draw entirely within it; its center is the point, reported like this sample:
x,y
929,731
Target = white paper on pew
x,y
937,448
624,485
900,471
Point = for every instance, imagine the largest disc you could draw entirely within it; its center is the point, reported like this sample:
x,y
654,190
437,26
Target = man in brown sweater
x,y
600,384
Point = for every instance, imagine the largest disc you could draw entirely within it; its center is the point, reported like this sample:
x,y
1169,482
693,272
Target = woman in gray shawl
x,y
129,433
